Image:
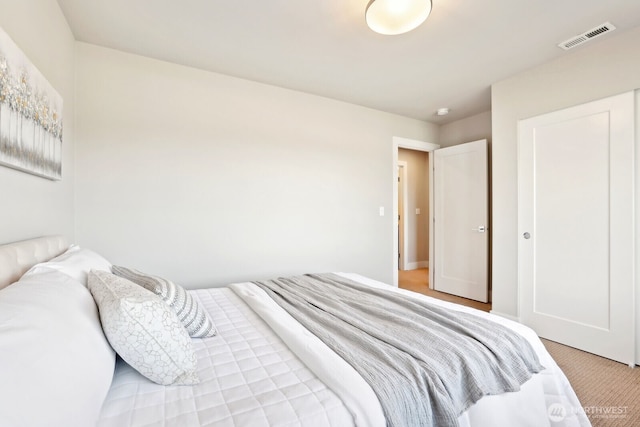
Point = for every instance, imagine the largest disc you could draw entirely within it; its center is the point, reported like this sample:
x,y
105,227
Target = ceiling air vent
x,y
587,35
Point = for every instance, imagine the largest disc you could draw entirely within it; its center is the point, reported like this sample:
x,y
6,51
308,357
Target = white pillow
x,y
193,316
56,365
75,262
143,330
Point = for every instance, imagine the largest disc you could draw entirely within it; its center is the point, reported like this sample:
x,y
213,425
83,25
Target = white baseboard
x,y
506,316
416,265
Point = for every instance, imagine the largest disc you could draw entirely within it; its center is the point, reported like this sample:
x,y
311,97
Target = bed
x,y
262,367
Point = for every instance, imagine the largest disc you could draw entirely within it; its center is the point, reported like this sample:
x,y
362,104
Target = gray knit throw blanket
x,y
426,364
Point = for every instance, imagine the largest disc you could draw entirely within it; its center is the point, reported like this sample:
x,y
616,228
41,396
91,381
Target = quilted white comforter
x,y
264,369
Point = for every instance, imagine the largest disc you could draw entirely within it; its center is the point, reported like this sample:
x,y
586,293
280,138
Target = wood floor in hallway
x,y
418,281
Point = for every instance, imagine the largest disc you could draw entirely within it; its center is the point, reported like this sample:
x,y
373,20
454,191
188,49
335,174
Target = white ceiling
x,y
324,47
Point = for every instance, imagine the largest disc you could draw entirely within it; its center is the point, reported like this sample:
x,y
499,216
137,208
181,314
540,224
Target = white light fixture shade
x,y
391,17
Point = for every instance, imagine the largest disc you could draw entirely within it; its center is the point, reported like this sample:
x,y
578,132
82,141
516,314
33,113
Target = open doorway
x,y
414,228
419,146
456,194
413,209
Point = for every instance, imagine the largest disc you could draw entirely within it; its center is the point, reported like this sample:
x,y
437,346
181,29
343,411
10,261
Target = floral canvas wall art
x,y
30,115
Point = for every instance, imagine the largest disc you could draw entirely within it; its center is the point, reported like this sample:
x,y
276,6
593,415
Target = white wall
x,y
468,129
417,182
210,179
591,72
34,206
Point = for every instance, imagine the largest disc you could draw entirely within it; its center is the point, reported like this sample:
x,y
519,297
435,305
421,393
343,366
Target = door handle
x,y
480,229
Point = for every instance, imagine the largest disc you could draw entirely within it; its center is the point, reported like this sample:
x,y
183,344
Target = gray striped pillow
x,y
194,318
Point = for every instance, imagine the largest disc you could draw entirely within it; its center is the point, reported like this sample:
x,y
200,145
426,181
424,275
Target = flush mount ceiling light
x,y
391,17
442,111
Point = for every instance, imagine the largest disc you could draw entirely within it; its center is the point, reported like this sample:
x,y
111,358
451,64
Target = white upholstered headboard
x,y
16,258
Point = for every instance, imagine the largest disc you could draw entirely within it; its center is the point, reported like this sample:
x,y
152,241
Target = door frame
x,y
402,171
411,144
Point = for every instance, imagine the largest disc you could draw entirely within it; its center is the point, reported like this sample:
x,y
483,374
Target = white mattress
x,y
249,377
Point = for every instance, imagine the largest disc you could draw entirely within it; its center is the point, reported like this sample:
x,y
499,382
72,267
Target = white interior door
x,y
461,220
576,248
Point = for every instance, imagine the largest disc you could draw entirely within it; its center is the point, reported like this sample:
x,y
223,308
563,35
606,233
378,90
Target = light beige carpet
x,y
608,391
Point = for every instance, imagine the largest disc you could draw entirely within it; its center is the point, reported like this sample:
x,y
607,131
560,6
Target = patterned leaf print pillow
x,y
143,330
